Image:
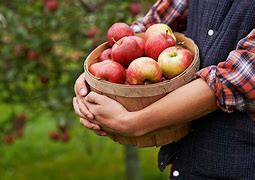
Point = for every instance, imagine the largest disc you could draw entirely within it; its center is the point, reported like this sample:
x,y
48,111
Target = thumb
x,y
81,88
95,98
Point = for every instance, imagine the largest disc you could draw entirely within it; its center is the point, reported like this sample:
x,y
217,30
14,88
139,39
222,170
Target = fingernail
x,y
83,91
103,133
90,116
95,128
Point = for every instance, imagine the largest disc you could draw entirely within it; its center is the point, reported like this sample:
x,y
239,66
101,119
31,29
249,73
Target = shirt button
x,y
176,173
210,32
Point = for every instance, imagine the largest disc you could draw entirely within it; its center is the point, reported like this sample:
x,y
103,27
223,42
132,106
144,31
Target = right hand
x,y
81,89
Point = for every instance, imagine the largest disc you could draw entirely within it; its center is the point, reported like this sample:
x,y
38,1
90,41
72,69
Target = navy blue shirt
x,y
220,145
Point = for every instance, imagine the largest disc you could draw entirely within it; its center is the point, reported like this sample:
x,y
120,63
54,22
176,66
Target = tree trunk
x,y
132,163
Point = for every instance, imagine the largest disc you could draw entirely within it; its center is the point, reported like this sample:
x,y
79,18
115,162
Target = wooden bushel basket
x,y
136,97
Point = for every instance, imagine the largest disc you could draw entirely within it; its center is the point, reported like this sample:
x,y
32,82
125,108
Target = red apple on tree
x,y
20,120
159,28
144,70
8,139
106,54
54,135
118,31
156,44
126,50
64,136
109,70
91,33
51,5
174,60
134,8
32,54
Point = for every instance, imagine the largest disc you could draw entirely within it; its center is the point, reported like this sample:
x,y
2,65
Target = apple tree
x,y
43,44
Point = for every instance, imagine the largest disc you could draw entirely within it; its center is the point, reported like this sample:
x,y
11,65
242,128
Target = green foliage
x,y
42,51
41,54
86,156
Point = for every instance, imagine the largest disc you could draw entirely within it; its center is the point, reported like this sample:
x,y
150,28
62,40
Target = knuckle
x,y
87,115
76,111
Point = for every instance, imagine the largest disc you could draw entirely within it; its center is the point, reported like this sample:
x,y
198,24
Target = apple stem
x,y
167,33
115,41
180,44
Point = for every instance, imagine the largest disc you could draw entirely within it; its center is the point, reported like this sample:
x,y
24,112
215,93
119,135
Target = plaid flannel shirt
x,y
232,80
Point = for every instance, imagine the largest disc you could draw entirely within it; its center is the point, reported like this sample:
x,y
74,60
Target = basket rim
x,y
109,87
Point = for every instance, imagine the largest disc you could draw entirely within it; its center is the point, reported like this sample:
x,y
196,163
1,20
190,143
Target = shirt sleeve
x,y
163,11
234,79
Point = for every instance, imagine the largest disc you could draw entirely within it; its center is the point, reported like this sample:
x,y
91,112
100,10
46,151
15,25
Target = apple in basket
x,y
158,29
125,50
174,60
157,43
109,70
105,55
140,41
118,31
144,70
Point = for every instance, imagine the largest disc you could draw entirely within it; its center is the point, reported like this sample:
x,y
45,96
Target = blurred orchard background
x,y
43,44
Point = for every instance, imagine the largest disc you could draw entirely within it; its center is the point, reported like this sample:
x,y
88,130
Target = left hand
x,y
108,113
86,120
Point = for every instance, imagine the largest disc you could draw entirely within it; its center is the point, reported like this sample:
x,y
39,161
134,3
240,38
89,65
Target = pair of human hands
x,y
98,112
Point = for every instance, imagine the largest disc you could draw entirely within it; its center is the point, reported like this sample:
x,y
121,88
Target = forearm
x,y
185,104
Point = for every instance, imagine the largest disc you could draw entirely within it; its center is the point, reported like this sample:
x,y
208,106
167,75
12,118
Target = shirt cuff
x,y
228,100
138,28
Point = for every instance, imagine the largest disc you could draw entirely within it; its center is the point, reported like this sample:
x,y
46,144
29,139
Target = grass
x,y
85,156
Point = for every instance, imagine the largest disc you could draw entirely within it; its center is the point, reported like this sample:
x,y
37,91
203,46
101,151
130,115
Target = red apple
x,y
109,70
8,139
32,55
144,70
118,31
106,54
159,28
51,5
20,120
140,41
91,33
156,44
174,60
134,8
64,137
54,136
126,50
